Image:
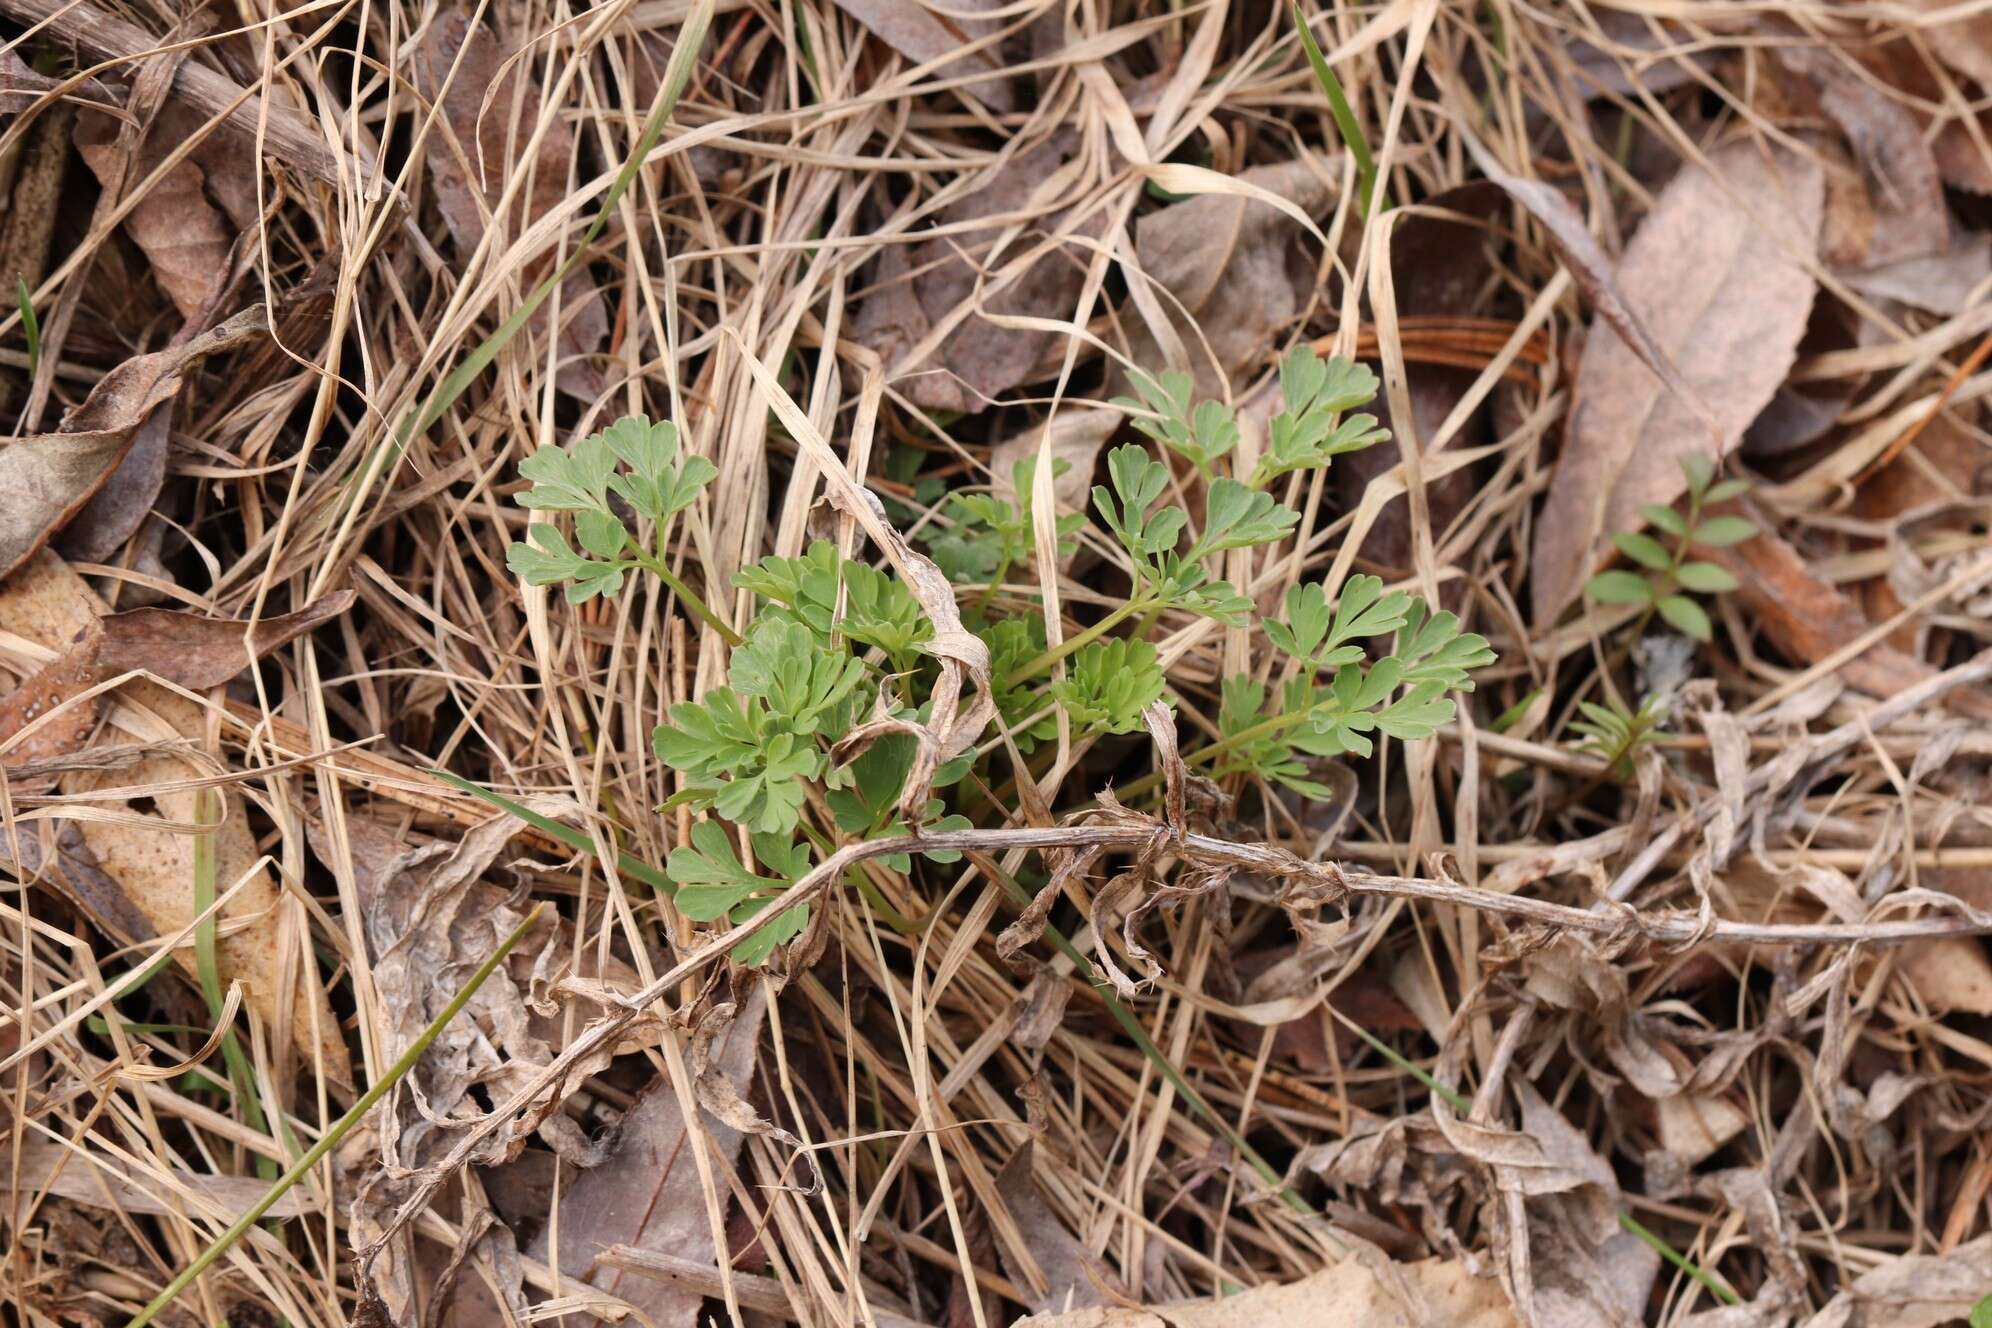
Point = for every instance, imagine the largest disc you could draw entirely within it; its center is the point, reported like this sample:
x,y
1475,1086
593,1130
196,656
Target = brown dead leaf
x,y
48,477
915,293
1726,295
1077,435
1809,619
430,919
1236,272
1366,1290
1914,1291
1964,42
185,649
1948,281
180,231
1951,974
1900,212
647,1192
105,1181
128,496
1072,1277
489,112
47,603
1694,1125
924,33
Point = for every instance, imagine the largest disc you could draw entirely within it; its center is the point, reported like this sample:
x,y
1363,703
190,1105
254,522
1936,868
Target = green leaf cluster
x,y
713,884
1336,702
1312,429
986,535
635,460
1616,734
1665,572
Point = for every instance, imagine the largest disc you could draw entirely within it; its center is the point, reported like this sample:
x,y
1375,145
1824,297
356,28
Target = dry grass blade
x,y
1165,665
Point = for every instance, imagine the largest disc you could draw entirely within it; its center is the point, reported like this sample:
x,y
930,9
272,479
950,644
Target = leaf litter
x,y
1493,1028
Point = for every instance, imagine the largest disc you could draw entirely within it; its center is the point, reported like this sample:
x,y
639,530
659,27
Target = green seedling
x,y
1667,572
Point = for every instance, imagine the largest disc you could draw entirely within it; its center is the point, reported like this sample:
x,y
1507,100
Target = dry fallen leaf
x,y
915,292
184,235
647,1192
184,649
1365,1290
109,1182
1725,293
924,33
1237,273
46,602
1073,1278
48,477
1809,619
478,144
1914,1291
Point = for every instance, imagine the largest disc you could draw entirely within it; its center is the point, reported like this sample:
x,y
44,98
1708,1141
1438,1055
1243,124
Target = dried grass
x,y
1848,1085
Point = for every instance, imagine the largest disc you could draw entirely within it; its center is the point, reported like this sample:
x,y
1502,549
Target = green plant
x,y
808,744
1667,572
24,299
1616,734
1981,1314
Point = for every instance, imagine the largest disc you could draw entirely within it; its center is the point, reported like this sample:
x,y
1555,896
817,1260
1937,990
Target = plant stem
x,y
1078,641
689,598
330,1140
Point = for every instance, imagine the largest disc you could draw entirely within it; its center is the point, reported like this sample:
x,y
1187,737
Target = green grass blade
x,y
635,868
240,1227
207,968
1345,118
684,56
30,324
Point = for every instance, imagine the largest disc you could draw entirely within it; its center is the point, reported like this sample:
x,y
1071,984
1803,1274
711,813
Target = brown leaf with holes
x,y
47,477
1725,291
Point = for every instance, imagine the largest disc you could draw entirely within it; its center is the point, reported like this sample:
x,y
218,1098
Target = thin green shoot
x,y
30,323
1345,118
207,967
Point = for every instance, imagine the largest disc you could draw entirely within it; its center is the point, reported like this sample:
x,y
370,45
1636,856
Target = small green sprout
x,y
1667,572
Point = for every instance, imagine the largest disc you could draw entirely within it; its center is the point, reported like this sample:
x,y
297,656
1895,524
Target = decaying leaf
x,y
185,649
108,1182
430,919
49,604
1237,273
648,1193
1077,435
1365,1290
1810,619
1719,274
47,477
915,294
489,114
184,235
926,33
1914,1291
1072,1278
